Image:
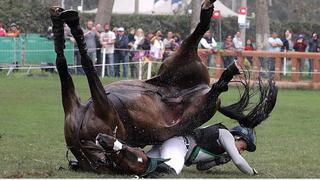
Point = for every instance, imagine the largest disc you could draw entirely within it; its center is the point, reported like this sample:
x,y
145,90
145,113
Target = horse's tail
x,y
259,112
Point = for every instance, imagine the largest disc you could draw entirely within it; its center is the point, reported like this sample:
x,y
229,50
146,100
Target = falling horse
x,y
176,101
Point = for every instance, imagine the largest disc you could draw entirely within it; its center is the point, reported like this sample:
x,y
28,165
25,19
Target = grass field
x,y
32,141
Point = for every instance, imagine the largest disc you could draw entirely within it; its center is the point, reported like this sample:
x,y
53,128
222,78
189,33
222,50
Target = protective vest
x,y
208,146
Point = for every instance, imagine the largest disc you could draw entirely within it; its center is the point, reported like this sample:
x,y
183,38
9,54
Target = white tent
x,y
161,7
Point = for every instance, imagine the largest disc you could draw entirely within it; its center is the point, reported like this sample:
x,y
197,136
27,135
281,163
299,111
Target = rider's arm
x,y
227,141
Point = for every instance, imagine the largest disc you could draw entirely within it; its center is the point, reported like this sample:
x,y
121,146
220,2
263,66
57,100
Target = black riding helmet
x,y
247,134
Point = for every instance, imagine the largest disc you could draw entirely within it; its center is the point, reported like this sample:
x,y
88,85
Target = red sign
x,y
216,14
243,10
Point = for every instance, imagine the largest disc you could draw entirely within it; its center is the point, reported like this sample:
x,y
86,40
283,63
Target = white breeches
x,y
174,149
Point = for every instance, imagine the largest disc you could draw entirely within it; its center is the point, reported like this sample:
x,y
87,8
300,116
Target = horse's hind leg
x,y
69,98
99,97
184,67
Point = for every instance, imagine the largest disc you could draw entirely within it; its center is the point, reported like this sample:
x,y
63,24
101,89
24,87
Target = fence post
x,y
149,69
295,70
103,68
316,67
140,69
255,67
278,69
218,61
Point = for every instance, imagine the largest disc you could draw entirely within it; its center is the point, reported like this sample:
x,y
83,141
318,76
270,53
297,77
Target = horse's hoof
x,y
207,4
71,17
55,11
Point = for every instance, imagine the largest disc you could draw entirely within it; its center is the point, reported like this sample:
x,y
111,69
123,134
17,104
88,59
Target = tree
x,y
104,11
195,18
262,24
136,6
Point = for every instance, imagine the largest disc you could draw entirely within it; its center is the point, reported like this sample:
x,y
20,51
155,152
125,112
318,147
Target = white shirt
x,y
277,48
237,43
157,49
206,45
107,40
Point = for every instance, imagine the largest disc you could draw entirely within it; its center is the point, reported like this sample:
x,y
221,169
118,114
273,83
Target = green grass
x,y
32,141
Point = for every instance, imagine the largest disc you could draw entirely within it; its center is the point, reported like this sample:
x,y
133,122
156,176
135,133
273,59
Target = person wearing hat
x,y
206,147
121,53
13,32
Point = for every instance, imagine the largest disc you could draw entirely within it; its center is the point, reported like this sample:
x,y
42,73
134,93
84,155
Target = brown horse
x,y
176,101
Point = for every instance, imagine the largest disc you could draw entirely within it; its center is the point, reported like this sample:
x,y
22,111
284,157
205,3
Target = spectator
x,y
208,42
76,53
177,41
170,44
314,47
13,32
288,35
107,40
146,45
287,46
249,47
121,53
275,45
90,35
300,46
2,30
98,44
228,45
157,47
138,52
237,42
131,36
115,30
49,33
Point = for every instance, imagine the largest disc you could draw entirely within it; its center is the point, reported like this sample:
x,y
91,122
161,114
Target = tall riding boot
x,y
58,29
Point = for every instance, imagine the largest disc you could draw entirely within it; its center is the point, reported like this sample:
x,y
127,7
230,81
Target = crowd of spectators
x,y
127,47
12,32
123,48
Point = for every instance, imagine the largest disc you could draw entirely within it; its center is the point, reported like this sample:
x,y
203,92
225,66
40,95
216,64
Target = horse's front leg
x,y
69,98
100,102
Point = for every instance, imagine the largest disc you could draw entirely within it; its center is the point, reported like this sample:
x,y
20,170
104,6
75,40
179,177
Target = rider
x,y
206,147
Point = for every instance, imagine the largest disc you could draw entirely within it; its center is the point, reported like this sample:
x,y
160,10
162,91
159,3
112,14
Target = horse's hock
x,y
294,78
